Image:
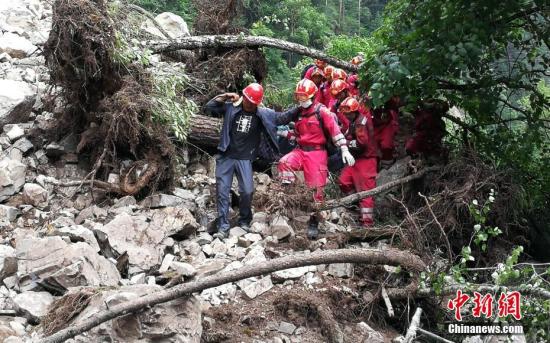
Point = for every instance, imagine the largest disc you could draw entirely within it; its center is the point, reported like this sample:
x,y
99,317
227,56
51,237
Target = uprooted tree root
x,y
290,200
64,309
436,214
108,104
306,305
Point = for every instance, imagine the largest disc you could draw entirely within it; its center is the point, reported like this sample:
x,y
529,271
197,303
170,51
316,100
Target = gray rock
x,y
253,237
54,150
8,212
18,328
286,328
259,287
218,247
259,217
124,201
15,45
168,259
236,232
8,261
177,320
280,228
261,228
177,222
369,334
137,237
343,270
15,132
204,238
293,273
23,145
76,233
12,177
16,101
210,266
183,268
34,194
190,247
398,170
254,256
166,200
33,305
184,194
58,265
173,24
138,279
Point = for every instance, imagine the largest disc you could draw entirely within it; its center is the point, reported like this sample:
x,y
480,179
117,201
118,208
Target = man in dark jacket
x,y
245,124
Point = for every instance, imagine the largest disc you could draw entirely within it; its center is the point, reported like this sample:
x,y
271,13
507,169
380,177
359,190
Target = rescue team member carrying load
x,y
362,175
386,126
244,125
310,156
306,73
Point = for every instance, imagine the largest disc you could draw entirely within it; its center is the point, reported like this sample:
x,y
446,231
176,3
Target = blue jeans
x,y
225,169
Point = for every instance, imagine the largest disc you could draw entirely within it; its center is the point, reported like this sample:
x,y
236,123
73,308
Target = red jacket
x,y
326,97
308,129
362,131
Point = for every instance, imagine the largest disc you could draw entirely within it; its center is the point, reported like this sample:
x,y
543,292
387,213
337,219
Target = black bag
x,y
306,68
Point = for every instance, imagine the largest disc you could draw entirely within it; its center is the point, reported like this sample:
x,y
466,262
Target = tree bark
x,y
350,199
237,42
415,323
389,256
205,131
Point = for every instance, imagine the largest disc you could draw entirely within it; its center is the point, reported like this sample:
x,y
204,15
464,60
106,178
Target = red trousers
x,y
385,138
314,165
361,177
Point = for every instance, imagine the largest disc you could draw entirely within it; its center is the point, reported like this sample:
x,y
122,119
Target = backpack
x,y
331,148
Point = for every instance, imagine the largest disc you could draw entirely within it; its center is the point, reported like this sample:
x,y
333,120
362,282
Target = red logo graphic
x,y
508,304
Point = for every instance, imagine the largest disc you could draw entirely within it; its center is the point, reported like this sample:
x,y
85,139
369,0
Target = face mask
x,y
306,104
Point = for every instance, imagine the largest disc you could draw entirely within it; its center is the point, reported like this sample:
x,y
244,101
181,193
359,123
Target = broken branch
x,y
238,41
350,199
415,323
393,257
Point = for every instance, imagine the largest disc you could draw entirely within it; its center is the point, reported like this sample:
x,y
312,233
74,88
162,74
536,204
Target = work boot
x,y
221,235
313,228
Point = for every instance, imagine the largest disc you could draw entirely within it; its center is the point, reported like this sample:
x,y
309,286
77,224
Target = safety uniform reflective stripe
x,y
367,212
339,140
287,175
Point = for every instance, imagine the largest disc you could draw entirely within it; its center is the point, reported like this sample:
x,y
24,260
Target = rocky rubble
x,y
57,240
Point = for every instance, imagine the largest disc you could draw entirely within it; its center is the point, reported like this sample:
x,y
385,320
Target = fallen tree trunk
x,y
205,131
350,199
237,42
390,256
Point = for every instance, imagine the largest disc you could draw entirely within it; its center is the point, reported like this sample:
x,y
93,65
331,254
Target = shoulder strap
x,y
321,124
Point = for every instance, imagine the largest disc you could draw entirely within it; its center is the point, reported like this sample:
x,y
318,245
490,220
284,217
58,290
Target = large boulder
x,y
15,45
8,261
35,195
58,265
173,24
33,305
16,101
174,321
12,177
143,240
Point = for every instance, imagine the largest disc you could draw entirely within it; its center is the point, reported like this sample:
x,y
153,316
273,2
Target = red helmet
x,y
349,105
306,88
338,86
352,79
254,92
328,71
339,74
320,64
317,71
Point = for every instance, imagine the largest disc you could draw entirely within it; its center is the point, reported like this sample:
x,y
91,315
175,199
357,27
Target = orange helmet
x,y
338,86
339,74
320,64
305,88
254,92
329,70
357,60
349,105
317,71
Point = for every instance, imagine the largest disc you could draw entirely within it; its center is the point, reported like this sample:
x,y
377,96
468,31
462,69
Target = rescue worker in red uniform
x,y
318,77
362,175
326,97
339,92
386,125
306,73
339,74
429,129
313,124
353,83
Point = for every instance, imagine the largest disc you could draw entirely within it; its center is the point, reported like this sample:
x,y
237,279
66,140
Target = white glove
x,y
352,144
282,133
347,158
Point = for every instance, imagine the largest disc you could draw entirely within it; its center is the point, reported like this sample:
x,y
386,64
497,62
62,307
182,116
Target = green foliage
x,y
491,58
125,53
170,107
347,47
183,8
479,212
